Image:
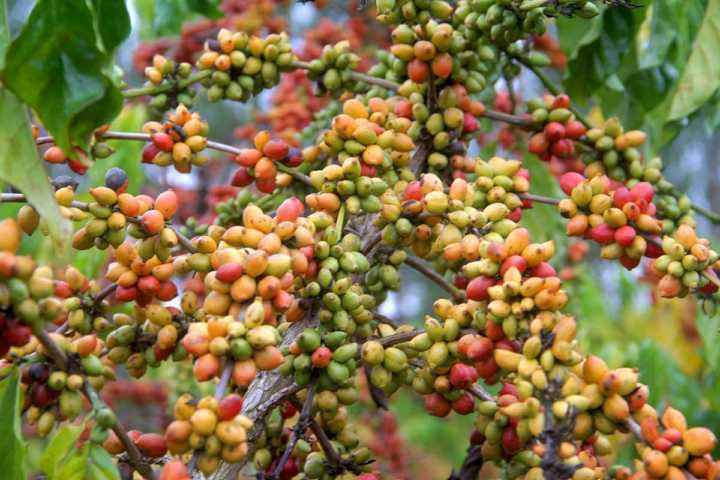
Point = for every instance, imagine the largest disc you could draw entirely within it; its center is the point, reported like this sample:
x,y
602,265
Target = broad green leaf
x,y
113,22
597,60
56,66
75,466
60,447
12,446
672,26
701,76
208,8
4,33
21,167
709,327
100,464
168,16
575,33
667,383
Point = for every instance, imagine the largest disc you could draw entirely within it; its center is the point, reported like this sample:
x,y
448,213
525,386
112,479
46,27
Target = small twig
x,y
426,270
301,177
330,453
219,393
302,423
104,293
332,456
539,198
371,243
184,241
516,120
166,87
20,198
360,77
386,320
397,338
378,395
478,391
709,214
471,466
61,360
51,348
550,85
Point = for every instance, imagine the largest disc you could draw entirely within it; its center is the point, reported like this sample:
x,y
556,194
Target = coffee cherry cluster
x,y
372,147
50,396
619,220
332,70
149,336
109,210
214,429
346,307
178,141
251,346
566,144
307,457
151,445
685,257
556,143
139,271
26,294
333,360
82,312
242,66
259,164
424,50
78,162
673,446
412,12
53,395
167,73
502,23
250,267
453,121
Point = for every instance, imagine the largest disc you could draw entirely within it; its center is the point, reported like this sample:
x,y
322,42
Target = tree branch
x,y
20,198
550,85
426,270
297,431
166,87
61,360
539,198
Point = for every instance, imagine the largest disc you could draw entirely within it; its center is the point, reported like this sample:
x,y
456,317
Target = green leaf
x,y
101,465
597,60
208,8
56,65
664,17
12,446
662,375
709,328
18,148
113,22
61,445
74,466
4,33
701,76
168,16
575,33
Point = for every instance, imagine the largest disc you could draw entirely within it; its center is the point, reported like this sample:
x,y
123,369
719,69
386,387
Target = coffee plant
x,y
253,304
